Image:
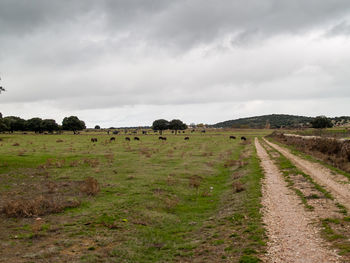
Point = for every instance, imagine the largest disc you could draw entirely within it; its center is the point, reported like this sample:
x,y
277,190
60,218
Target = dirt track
x,y
337,184
292,237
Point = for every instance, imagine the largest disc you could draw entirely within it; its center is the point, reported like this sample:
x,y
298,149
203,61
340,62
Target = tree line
x,y
161,125
38,125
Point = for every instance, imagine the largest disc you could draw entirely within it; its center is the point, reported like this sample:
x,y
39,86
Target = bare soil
x,y
292,235
337,184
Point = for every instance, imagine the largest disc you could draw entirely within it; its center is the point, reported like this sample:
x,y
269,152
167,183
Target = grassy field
x,y
158,201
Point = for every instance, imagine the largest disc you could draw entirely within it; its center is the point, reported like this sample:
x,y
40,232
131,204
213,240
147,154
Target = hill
x,y
272,121
276,121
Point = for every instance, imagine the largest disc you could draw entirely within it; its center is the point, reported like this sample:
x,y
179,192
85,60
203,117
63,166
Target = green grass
x,y
147,210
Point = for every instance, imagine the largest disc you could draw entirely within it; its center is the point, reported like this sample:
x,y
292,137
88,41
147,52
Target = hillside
x,y
273,121
276,121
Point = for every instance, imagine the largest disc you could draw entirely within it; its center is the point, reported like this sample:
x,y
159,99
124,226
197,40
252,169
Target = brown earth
x,y
337,184
292,235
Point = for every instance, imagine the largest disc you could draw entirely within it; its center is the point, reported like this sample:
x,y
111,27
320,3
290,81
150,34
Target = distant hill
x,y
273,121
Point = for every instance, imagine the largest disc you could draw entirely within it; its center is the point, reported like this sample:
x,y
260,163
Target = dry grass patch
x,y
38,206
90,186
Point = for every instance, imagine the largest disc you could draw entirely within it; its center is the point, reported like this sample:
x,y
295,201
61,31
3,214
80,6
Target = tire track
x,y
292,237
338,185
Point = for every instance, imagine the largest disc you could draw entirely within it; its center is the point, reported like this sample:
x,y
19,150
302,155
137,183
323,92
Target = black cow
x,y
112,139
203,131
243,138
232,137
187,138
93,139
115,132
144,132
127,139
162,138
136,138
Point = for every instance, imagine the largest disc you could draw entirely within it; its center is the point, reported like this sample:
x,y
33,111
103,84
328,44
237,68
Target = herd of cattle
x,y
243,138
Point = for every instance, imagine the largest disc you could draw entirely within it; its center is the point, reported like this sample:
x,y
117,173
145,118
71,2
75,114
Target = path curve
x,y
292,237
337,184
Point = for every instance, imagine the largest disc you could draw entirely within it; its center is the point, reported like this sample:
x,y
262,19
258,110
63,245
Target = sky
x,y
129,62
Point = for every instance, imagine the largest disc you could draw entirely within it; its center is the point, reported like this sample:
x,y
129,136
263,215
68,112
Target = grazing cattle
x,y
115,132
127,139
136,138
232,137
183,131
172,131
112,139
187,138
192,131
162,138
243,138
144,132
203,131
93,139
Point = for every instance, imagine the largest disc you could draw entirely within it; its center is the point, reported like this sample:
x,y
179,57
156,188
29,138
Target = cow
x,y
136,138
193,131
93,139
162,138
112,139
127,139
203,131
144,132
115,132
232,137
243,138
187,138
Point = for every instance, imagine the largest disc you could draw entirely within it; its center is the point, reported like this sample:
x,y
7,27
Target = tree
x,y
35,125
160,125
3,126
1,88
177,125
72,123
14,123
50,125
97,127
321,122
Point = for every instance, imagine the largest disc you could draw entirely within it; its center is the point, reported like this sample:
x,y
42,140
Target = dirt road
x,y
337,184
292,237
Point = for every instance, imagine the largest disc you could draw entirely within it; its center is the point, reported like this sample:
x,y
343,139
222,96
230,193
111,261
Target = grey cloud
x,y
342,28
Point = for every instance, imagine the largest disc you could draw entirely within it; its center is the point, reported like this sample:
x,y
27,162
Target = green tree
x,y
321,122
97,127
35,125
160,125
1,88
72,123
14,123
3,126
50,125
177,125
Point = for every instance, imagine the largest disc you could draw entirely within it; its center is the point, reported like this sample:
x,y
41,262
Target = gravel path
x,y
292,237
337,184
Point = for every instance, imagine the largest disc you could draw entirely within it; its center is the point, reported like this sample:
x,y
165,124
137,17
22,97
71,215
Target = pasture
x,y
171,200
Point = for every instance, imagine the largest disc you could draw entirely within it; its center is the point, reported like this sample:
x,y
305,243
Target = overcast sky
x,y
129,62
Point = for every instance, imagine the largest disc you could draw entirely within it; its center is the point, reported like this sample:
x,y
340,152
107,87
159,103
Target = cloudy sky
x,y
129,62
